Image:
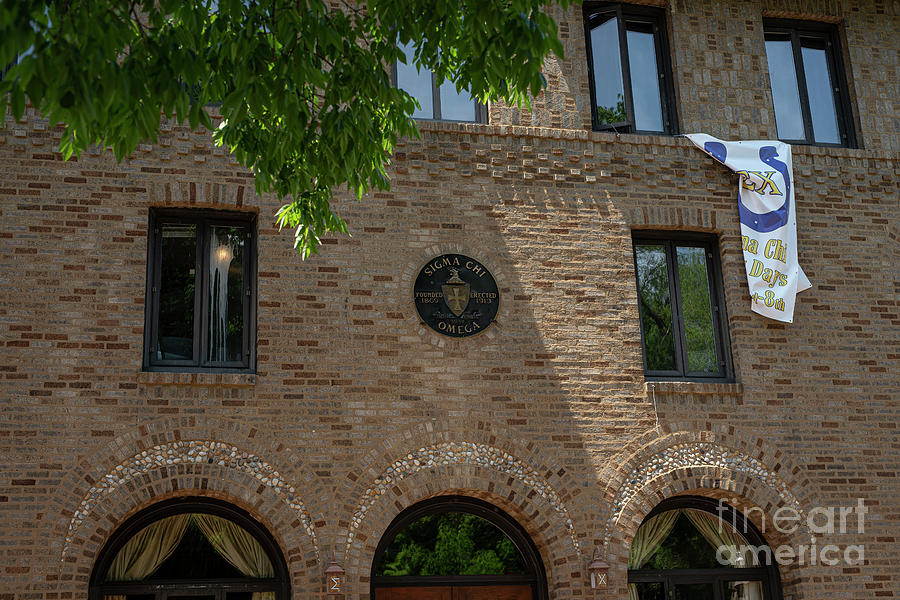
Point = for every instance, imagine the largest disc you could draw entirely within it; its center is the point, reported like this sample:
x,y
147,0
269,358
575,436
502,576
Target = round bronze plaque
x,y
456,295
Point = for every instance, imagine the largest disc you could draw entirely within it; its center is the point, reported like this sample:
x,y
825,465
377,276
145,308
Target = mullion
x,y
661,77
626,67
797,50
246,294
202,290
714,307
841,112
675,293
435,97
157,291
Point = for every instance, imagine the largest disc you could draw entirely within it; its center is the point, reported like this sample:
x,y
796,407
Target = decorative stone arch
x,y
178,457
721,465
561,561
211,480
469,458
649,453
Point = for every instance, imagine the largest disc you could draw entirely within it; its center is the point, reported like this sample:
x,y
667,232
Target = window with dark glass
x,y
437,101
809,88
681,307
630,72
190,548
456,547
692,547
201,309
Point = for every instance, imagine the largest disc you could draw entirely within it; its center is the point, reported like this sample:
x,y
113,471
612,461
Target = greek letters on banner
x,y
768,220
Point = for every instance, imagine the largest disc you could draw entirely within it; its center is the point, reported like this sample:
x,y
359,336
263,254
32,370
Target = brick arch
x,y
194,480
171,456
717,462
390,453
562,562
642,450
740,490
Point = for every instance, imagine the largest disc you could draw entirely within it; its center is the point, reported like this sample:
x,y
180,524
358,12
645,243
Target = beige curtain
x,y
238,547
647,540
147,550
719,533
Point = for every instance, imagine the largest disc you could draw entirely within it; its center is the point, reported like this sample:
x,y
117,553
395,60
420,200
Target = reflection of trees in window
x,y
681,324
656,307
612,114
629,68
450,543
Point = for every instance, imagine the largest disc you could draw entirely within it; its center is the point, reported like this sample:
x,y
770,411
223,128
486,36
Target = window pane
x,y
456,106
416,83
785,93
656,307
821,97
175,334
644,81
226,298
696,310
608,87
744,590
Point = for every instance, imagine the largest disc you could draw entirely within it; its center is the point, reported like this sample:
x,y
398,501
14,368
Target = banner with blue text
x,y
768,220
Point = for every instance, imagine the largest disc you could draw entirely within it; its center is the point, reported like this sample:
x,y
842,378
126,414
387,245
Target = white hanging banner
x,y
768,220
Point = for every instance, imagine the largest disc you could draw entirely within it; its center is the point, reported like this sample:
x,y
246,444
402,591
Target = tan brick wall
x,y
349,383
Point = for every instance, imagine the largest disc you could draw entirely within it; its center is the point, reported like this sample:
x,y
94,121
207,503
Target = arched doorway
x,y
456,548
697,548
190,549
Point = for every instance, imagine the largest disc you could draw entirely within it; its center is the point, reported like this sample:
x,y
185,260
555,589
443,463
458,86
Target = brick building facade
x,y
356,410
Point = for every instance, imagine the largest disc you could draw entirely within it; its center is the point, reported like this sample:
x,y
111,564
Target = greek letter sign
x,y
456,295
768,220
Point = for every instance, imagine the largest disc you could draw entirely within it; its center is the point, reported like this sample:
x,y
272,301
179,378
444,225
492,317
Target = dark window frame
x,y
280,583
834,58
536,576
204,219
767,574
481,110
656,19
710,243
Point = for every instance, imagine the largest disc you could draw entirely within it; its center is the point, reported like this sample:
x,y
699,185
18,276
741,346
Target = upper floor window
x,y
809,87
630,72
681,306
201,281
440,102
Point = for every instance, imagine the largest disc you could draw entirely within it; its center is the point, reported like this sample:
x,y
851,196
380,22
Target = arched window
x,y
190,548
696,548
456,547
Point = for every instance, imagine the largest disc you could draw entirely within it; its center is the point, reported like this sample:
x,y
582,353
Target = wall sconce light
x,y
334,579
599,572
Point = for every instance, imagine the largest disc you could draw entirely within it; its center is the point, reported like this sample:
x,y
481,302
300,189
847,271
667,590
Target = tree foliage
x,y
302,86
450,544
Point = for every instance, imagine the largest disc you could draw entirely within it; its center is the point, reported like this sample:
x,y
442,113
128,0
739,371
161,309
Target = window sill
x,y
698,388
197,379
